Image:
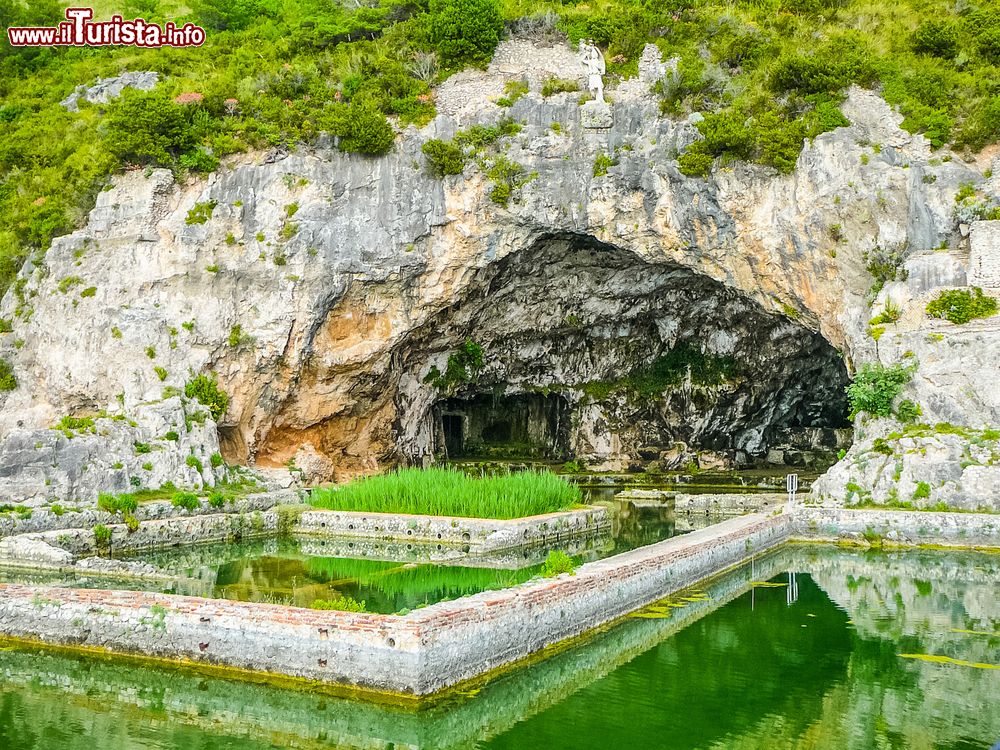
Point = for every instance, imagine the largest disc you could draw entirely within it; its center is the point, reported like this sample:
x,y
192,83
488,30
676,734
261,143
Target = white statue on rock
x,y
594,60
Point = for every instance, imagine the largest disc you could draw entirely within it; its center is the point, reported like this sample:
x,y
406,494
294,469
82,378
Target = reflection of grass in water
x,y
395,579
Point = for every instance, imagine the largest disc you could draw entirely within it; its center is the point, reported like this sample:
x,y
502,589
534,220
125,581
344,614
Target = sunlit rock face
x,y
322,289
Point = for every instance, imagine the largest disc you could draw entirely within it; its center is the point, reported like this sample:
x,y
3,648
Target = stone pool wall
x,y
479,534
901,527
415,654
727,503
43,519
451,642
62,548
476,634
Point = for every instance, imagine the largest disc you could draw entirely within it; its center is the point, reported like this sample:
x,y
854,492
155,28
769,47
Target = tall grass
x,y
445,492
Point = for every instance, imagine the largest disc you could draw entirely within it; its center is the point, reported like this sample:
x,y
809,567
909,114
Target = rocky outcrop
x,y
322,290
106,89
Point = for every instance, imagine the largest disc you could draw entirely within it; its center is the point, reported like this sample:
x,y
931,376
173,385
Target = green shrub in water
x,y
556,563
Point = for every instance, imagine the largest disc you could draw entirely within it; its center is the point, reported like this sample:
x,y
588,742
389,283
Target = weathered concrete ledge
x,y
727,503
478,534
712,503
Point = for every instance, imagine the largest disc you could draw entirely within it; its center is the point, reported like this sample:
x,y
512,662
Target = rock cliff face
x,y
322,290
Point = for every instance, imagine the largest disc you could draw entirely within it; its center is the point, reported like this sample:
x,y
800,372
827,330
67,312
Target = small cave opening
x,y
519,426
592,353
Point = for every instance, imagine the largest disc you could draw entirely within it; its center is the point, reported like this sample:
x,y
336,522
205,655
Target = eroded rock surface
x,y
323,289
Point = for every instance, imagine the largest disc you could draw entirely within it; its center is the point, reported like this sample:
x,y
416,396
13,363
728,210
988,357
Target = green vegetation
x,y
102,536
8,381
513,91
922,492
465,32
206,391
340,604
602,163
443,157
161,373
444,492
195,463
885,264
70,425
201,213
908,411
962,305
556,563
216,460
463,366
117,503
670,370
875,387
186,500
558,86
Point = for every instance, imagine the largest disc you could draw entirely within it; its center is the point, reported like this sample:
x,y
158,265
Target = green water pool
x,y
841,650
387,578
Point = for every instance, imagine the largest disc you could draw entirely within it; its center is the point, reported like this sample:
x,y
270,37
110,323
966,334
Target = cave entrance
x,y
499,426
454,433
574,349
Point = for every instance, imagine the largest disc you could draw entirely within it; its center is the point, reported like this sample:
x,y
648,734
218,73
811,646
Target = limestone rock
x,y
107,89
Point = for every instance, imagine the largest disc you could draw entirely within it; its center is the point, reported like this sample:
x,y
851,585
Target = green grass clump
x,y
102,536
559,86
445,492
117,503
602,163
556,563
962,305
340,604
186,500
201,213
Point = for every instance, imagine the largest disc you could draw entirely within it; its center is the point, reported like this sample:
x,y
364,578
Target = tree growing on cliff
x,y
147,127
466,31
